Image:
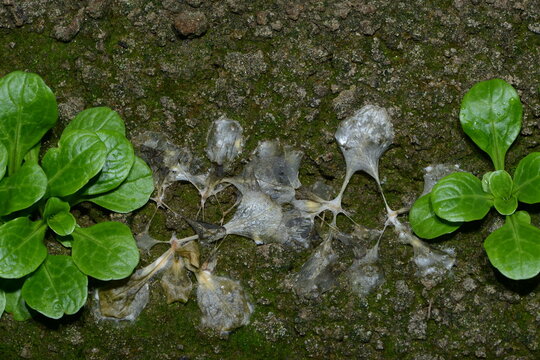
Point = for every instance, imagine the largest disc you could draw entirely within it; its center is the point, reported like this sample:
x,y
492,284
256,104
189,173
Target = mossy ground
x,y
286,70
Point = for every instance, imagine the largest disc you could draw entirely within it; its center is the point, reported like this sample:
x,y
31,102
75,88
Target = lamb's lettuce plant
x,y
490,115
93,162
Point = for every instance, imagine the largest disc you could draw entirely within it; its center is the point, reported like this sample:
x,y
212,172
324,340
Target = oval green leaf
x,y
27,111
15,304
58,217
527,179
79,157
133,193
22,189
21,247
425,223
58,287
514,249
62,223
491,116
53,206
3,160
120,158
500,184
96,119
506,206
459,197
106,251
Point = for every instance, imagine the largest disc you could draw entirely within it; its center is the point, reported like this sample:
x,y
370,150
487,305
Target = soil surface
x,y
292,70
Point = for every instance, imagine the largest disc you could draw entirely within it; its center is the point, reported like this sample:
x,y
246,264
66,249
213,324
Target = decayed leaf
x,y
176,282
364,137
275,168
224,141
127,301
223,302
258,217
431,261
365,273
316,275
191,252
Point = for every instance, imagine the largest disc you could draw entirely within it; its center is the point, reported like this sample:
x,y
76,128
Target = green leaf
x,y
58,287
21,247
514,248
425,223
79,157
32,156
27,111
62,223
491,116
506,206
3,160
2,302
22,189
501,184
58,217
53,206
120,158
106,251
459,197
15,304
133,193
96,119
527,179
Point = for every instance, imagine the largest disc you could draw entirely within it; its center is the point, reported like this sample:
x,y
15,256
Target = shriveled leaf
x,y
126,300
223,302
275,168
96,119
79,157
431,261
514,248
3,160
15,304
21,247
133,193
175,282
258,217
364,137
120,158
224,140
527,179
27,111
491,116
425,223
57,287
317,275
459,197
22,189
105,251
366,274
191,252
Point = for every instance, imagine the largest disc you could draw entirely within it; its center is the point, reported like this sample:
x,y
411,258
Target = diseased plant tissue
x,y
267,210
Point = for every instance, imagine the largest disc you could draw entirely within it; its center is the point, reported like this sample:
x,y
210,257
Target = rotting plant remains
x,y
267,209
93,162
491,116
